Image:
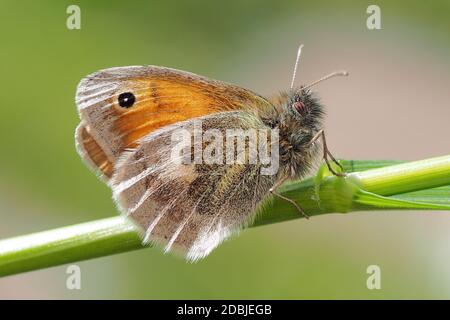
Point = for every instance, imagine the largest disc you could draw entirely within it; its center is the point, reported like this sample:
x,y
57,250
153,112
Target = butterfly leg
x,y
327,153
273,191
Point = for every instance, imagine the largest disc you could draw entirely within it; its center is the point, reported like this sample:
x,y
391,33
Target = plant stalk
x,y
118,234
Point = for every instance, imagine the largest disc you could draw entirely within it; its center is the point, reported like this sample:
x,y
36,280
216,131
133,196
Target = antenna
x,y
297,60
331,75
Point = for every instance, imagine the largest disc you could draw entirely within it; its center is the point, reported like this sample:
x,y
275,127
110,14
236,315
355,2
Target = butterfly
x,y
129,116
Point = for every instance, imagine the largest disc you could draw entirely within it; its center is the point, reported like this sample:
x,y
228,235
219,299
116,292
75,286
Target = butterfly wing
x,y
91,152
163,96
190,208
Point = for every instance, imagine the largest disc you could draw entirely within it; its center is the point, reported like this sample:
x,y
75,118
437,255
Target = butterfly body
x,y
129,117
299,121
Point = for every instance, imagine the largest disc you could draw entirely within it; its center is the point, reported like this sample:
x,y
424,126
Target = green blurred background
x,y
395,105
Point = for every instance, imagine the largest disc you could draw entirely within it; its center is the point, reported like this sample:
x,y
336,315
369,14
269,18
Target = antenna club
x,y
331,75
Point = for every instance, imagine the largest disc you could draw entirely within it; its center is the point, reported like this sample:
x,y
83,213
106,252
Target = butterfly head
x,y
302,116
305,108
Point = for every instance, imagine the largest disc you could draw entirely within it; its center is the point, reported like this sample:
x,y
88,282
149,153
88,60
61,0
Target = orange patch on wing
x,y
170,99
94,152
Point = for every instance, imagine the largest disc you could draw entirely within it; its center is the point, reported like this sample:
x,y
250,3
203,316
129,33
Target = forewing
x,y
163,96
189,208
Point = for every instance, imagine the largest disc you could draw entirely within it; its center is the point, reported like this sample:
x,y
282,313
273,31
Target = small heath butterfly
x,y
189,159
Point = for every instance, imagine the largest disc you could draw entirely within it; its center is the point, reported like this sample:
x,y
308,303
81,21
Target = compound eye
x,y
126,99
298,106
